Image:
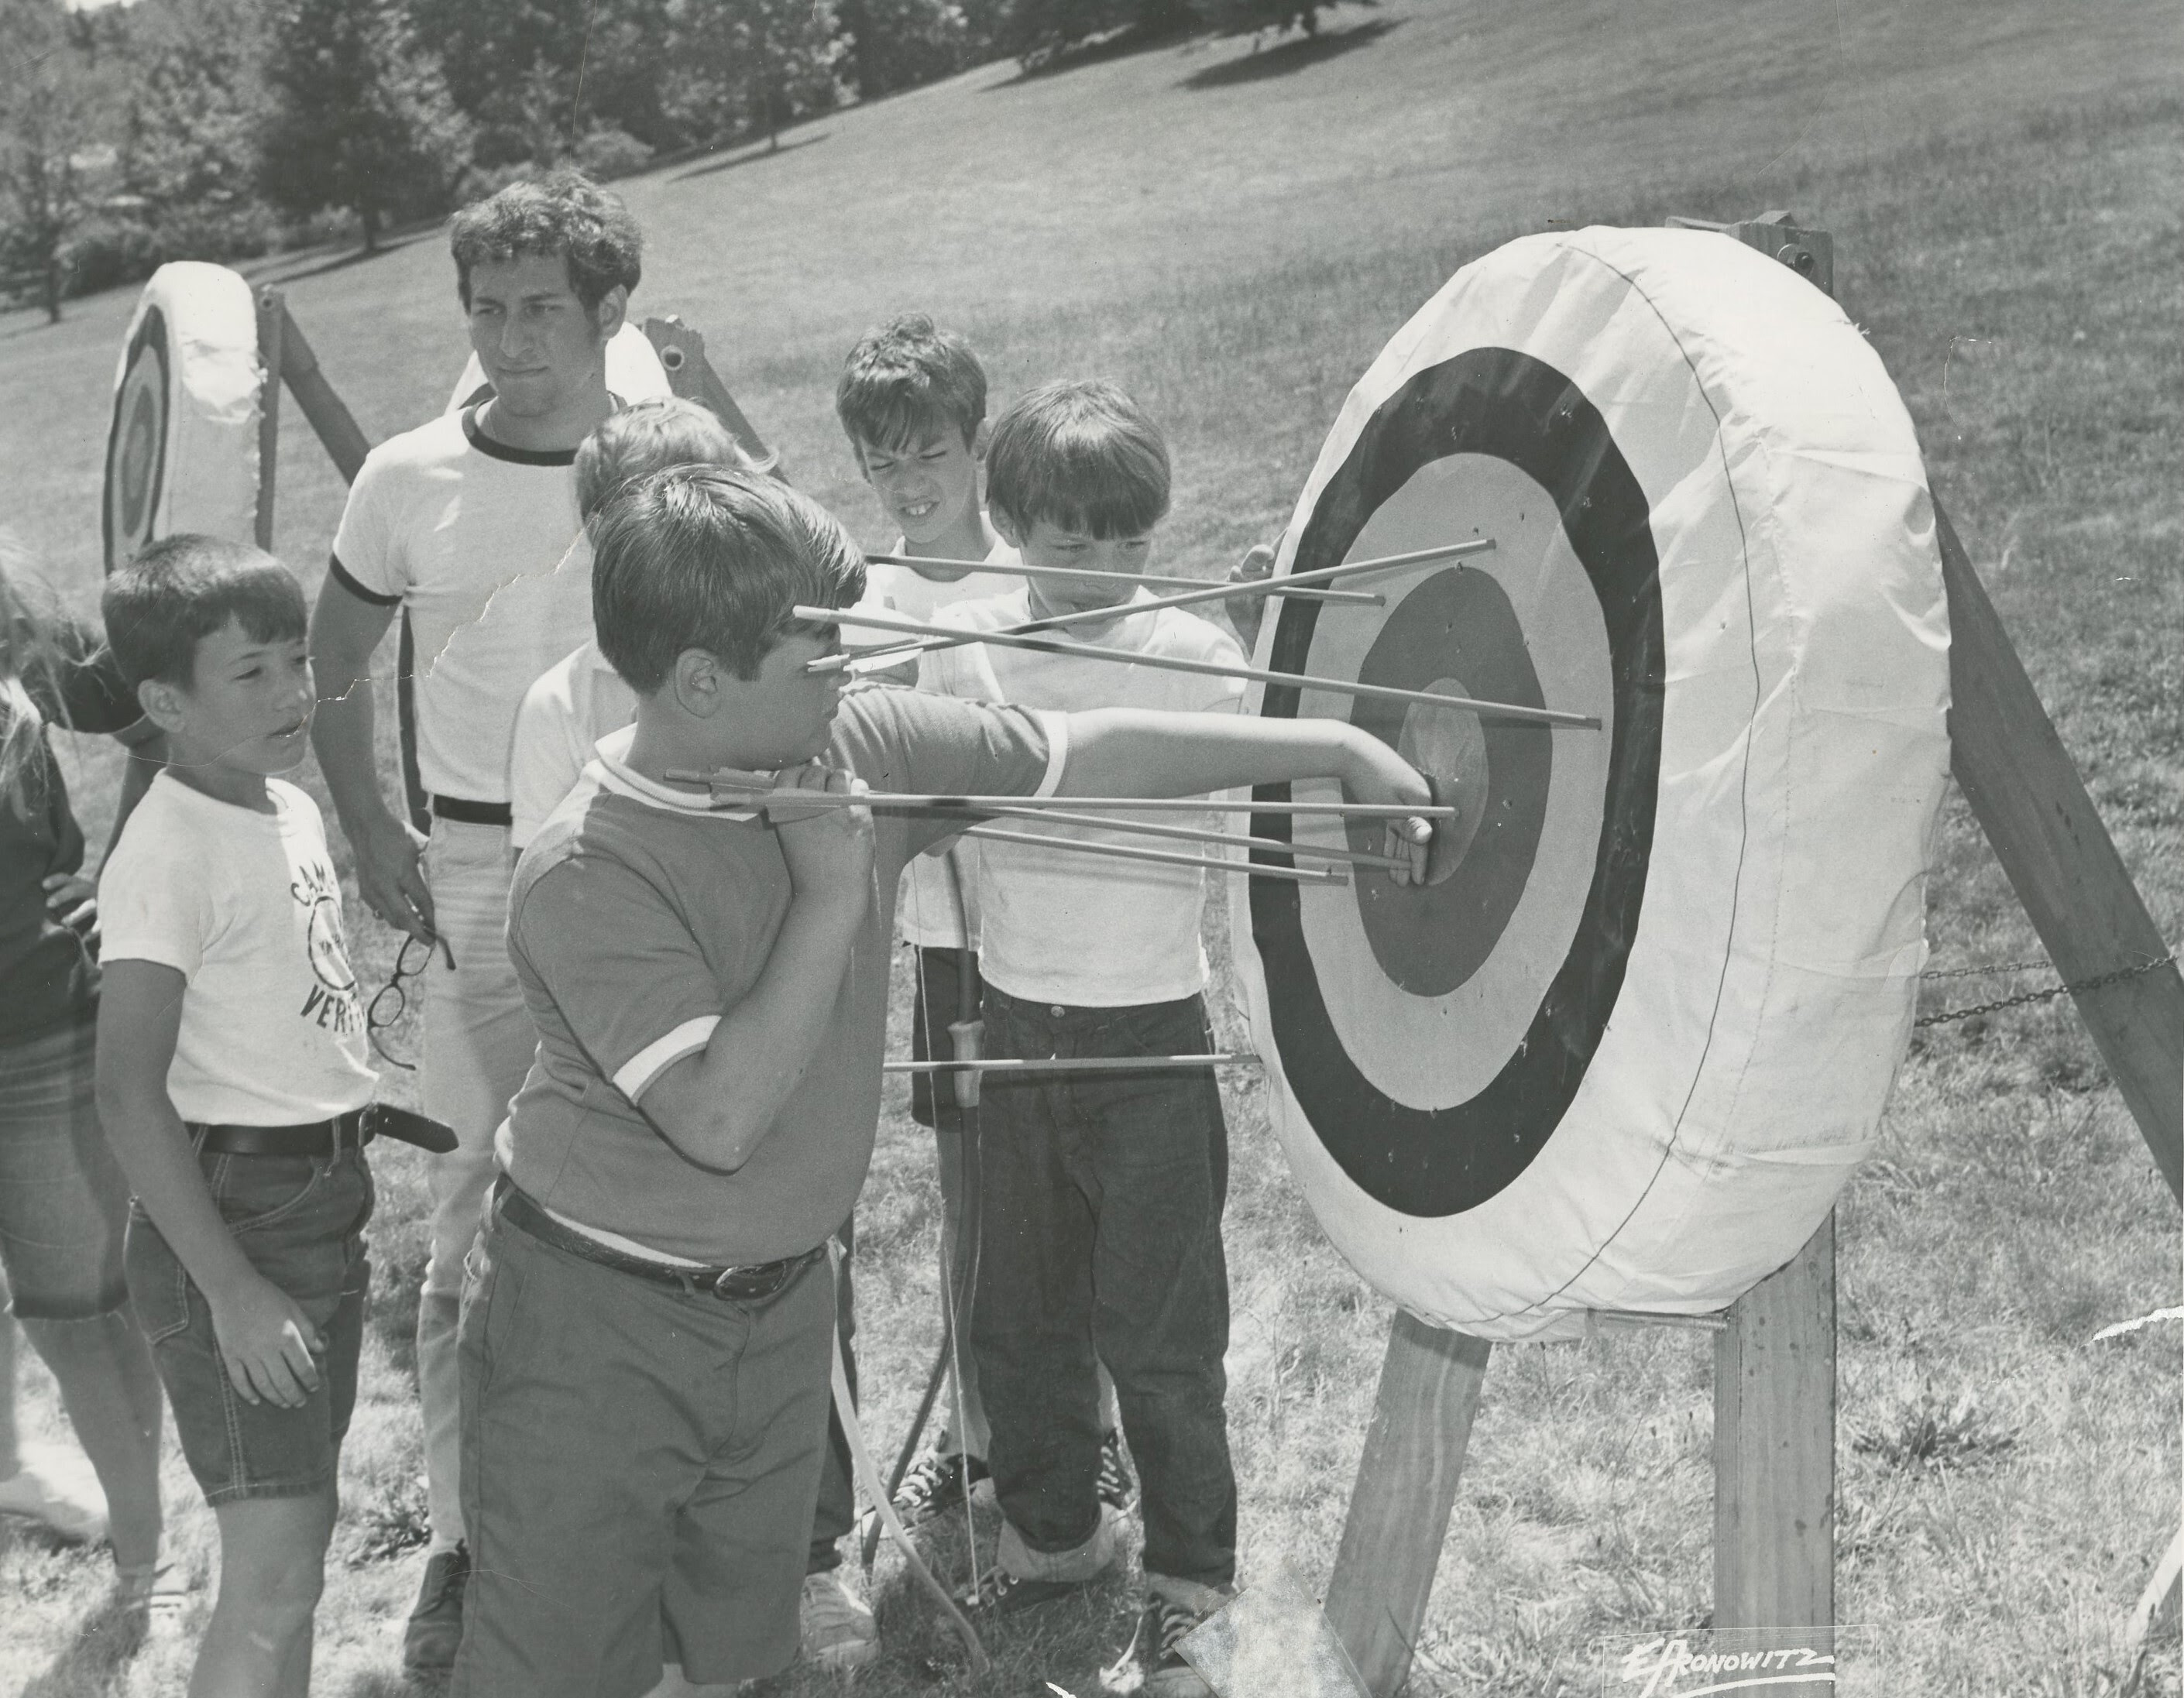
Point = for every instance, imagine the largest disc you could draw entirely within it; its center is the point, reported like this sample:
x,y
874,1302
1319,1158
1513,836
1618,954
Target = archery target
x,y
182,449
1625,1056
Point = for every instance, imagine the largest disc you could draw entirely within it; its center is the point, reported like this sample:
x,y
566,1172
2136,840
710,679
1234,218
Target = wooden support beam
x,y
1773,1449
1399,1509
2048,837
269,314
337,427
690,375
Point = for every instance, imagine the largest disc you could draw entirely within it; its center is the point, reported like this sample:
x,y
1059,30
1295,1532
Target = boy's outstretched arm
x,y
266,1340
1138,752
718,1104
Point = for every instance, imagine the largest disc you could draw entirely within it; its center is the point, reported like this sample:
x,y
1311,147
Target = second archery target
x,y
182,449
1626,1055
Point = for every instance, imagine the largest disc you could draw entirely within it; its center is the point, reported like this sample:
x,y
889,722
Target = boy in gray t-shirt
x,y
645,1342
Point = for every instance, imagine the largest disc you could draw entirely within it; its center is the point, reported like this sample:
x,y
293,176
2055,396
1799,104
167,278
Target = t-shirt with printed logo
x,y
247,907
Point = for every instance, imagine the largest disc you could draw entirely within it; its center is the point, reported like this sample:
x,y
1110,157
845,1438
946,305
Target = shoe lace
x,y
1173,1623
929,1478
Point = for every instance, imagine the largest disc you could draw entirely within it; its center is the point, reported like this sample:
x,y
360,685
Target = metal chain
x,y
1998,970
2031,996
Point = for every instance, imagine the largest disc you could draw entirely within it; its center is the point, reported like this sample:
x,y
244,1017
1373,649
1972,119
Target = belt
x,y
471,813
750,1283
350,1131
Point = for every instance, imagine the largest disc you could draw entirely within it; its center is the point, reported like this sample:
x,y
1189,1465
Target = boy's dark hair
x,y
181,590
563,211
1080,454
647,436
907,381
702,557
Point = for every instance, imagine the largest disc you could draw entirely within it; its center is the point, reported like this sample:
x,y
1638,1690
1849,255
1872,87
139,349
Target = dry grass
x,y
2000,179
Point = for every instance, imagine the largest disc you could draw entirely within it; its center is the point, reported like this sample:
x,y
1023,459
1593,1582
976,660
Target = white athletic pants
x,y
478,1045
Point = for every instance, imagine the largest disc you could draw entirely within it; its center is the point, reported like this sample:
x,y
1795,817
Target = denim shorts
x,y
64,1203
299,1220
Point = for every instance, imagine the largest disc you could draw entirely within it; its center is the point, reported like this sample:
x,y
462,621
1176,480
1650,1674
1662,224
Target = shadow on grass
x,y
354,256
750,156
107,1636
1123,43
1290,56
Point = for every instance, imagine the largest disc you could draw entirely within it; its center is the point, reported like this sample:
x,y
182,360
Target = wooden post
x,y
337,427
690,375
1399,1509
1773,1449
2049,838
269,314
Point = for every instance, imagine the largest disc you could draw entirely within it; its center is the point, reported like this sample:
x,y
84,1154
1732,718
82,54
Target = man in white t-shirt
x,y
468,526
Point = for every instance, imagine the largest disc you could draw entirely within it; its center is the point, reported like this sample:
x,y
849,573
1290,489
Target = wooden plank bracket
x,y
690,375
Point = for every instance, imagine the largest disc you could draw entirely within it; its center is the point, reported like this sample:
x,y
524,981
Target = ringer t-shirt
x,y
247,908
481,546
1059,925
639,914
927,907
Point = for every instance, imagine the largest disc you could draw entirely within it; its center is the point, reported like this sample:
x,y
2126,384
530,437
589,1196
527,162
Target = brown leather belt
x,y
746,1285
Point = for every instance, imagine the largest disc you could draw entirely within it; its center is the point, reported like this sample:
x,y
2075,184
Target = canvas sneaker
x,y
1117,1489
1167,1619
839,1629
435,1629
936,1483
51,1488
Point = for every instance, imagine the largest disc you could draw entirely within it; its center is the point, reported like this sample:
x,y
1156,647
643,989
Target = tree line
x,y
135,134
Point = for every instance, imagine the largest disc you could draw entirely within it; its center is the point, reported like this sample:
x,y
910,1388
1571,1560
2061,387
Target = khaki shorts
x,y
639,1467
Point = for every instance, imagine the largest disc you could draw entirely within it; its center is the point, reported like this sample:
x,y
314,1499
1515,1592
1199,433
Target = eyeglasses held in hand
x,y
381,1013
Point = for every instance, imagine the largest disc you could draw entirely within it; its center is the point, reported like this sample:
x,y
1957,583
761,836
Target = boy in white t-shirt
x,y
233,1081
580,698
1099,1194
912,399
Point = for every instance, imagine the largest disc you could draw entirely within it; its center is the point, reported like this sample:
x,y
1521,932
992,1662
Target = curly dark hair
x,y
564,212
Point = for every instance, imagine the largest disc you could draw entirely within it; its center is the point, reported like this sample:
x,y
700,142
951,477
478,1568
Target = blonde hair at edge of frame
x,y
647,436
28,617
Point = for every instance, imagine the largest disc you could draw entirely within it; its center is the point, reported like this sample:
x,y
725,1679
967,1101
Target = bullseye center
x,y
1446,742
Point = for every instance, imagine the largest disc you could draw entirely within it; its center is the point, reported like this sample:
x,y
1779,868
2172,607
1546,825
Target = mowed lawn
x,y
1233,235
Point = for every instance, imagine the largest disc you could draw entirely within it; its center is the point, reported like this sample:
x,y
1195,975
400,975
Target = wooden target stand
x,y
285,355
1774,1347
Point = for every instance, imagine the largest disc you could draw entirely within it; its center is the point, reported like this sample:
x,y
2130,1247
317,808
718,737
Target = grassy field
x,y
1233,235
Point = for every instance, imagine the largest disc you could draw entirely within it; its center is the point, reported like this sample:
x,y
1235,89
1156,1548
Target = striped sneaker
x,y
935,1483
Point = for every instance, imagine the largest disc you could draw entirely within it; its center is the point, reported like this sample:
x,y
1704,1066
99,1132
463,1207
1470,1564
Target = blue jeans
x,y
1100,1234
299,1220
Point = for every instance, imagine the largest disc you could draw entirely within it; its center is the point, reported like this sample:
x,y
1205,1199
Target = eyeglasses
x,y
382,1013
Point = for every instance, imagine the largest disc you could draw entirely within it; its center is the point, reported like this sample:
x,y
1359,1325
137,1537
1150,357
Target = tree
x,y
361,120
189,141
739,66
895,44
50,117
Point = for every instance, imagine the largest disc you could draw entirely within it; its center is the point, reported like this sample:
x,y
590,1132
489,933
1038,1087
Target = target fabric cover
x,y
182,451
1626,1057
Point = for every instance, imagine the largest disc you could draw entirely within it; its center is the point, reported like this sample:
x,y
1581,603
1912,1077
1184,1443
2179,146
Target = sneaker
x,y
1116,1487
52,1489
436,1625
1161,1632
839,1629
936,1483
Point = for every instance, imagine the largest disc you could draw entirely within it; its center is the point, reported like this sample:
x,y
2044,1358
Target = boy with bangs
x,y
232,1082
1101,1195
912,400
646,1336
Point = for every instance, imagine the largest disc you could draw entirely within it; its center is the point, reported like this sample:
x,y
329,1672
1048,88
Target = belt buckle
x,y
750,1284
